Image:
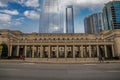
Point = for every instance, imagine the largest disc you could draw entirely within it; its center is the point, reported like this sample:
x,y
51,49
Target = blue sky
x,y
24,15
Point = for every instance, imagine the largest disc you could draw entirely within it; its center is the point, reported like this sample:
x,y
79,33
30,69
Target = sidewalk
x,y
57,62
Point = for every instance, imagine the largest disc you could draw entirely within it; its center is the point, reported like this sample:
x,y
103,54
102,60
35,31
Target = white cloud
x,y
5,17
6,21
2,4
84,2
88,1
11,12
29,3
32,3
31,14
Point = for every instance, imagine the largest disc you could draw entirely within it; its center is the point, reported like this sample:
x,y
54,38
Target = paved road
x,y
33,71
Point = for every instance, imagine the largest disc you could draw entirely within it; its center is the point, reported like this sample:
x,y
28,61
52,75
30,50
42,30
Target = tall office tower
x,y
50,17
93,23
69,19
111,15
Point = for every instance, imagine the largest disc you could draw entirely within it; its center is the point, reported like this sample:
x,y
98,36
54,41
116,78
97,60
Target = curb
x,y
53,62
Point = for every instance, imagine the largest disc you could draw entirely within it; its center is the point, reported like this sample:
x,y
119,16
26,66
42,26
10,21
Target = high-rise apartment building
x,y
111,15
69,19
93,23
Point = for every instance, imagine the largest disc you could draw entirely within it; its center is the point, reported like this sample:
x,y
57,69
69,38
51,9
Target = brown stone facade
x,y
34,45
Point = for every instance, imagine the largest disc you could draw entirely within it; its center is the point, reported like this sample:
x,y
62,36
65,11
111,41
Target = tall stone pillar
x,y
33,51
117,46
49,50
73,51
37,54
105,51
113,52
57,52
18,48
65,51
41,51
10,53
81,51
98,54
25,50
90,51
38,51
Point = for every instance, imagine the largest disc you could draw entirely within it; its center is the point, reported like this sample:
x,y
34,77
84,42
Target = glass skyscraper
x,y
93,23
56,17
69,19
111,15
50,17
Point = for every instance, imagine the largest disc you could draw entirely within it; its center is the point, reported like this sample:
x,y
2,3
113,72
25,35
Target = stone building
x,y
65,46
